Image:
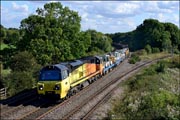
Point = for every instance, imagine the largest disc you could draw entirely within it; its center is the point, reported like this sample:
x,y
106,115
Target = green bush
x,y
176,51
155,50
18,81
154,106
134,58
144,52
150,71
176,61
24,73
161,66
23,61
132,61
148,49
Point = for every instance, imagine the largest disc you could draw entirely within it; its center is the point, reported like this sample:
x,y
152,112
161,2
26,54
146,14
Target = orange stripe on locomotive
x,y
93,65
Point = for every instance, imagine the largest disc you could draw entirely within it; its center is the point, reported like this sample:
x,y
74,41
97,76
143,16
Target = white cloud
x,y
131,24
104,16
161,17
99,16
19,8
172,5
156,7
126,8
120,16
84,16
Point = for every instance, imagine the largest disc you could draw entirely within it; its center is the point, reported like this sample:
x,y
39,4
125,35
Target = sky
x,y
103,16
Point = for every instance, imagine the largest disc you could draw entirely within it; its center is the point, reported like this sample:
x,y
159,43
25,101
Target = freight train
x,y
67,78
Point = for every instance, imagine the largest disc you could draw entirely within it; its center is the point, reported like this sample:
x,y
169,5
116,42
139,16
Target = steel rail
x,y
13,109
86,116
51,109
77,94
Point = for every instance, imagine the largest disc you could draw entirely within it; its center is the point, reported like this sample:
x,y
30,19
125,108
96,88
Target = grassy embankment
x,y
142,55
153,56
152,94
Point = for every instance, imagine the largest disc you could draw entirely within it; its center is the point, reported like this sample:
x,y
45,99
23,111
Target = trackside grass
x,y
152,94
153,55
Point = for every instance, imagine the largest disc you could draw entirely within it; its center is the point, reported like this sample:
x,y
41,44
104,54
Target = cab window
x,y
50,75
64,74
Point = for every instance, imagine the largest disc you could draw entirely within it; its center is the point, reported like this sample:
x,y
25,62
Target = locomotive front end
x,y
53,81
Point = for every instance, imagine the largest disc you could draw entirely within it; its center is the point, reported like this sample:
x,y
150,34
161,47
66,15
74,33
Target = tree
x,y
81,45
42,50
174,33
18,81
2,34
57,26
24,73
99,42
152,32
23,61
166,42
12,37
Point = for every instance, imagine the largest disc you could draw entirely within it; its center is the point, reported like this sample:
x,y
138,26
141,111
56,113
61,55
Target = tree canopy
x,y
54,35
151,32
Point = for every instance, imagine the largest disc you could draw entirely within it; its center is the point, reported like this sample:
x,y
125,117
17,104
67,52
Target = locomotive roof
x,y
55,67
76,63
60,66
71,65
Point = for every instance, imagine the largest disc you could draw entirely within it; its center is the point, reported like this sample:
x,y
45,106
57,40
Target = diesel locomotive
x,y
67,78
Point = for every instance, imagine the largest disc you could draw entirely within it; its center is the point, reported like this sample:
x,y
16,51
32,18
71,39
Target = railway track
x,y
64,106
108,94
68,108
9,110
18,99
34,113
24,111
103,98
107,90
68,101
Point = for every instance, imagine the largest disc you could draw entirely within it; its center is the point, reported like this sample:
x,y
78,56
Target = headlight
x,y
56,87
40,87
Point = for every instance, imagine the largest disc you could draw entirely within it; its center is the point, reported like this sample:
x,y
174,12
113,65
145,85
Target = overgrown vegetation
x,y
24,73
152,35
134,58
152,94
